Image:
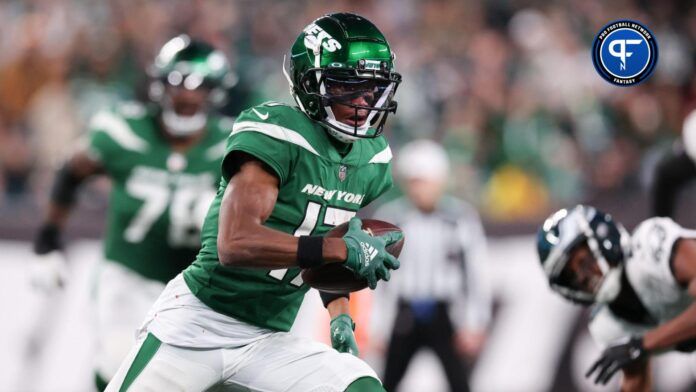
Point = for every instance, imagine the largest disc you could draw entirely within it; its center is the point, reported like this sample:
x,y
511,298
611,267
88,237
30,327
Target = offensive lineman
x,y
163,161
289,175
642,286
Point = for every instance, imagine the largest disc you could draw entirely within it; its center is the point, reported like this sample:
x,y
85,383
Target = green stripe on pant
x,y
144,355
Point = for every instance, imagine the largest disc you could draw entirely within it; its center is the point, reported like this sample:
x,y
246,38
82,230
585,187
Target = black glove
x,y
47,240
617,357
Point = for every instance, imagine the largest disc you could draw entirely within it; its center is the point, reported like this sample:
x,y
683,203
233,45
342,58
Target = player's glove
x,y
367,255
49,271
617,357
342,337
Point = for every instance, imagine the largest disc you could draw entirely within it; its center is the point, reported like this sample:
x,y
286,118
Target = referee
x,y
441,291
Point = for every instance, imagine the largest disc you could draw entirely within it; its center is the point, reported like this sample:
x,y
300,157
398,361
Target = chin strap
x,y
183,125
340,136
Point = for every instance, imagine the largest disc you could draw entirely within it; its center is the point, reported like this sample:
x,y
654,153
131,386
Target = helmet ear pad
x,y
314,105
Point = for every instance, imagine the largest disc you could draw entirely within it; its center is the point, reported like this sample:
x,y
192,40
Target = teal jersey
x,y
159,197
318,190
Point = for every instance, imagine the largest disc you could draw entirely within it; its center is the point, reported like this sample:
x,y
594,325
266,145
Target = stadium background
x,y
507,86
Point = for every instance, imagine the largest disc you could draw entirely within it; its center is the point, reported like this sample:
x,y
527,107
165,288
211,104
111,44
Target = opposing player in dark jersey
x,y
289,175
674,171
163,161
642,286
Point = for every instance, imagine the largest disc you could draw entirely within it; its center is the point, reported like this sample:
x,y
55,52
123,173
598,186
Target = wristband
x,y
310,251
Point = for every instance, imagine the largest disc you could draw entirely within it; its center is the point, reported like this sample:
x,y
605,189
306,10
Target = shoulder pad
x,y
281,122
131,109
118,129
381,151
656,236
270,112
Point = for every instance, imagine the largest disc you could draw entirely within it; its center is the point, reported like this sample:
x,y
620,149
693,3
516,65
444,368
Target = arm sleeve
x,y
276,154
671,174
472,309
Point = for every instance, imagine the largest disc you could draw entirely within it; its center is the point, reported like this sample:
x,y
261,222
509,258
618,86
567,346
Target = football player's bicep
x,y
249,198
684,264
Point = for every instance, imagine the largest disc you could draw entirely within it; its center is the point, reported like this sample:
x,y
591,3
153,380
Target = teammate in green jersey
x,y
163,162
289,175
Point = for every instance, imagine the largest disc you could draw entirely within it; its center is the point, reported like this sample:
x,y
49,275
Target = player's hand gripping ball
x,y
373,249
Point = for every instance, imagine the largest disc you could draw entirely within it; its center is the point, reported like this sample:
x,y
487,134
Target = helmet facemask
x,y
369,99
184,118
184,66
367,93
606,245
603,283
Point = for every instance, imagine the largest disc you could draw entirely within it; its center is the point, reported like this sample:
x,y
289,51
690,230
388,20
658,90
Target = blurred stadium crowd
x,y
507,86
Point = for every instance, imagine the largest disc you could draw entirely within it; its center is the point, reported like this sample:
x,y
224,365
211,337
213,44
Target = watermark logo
x,y
624,52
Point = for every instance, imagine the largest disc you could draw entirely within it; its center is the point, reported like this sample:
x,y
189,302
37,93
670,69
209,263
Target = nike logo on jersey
x,y
263,116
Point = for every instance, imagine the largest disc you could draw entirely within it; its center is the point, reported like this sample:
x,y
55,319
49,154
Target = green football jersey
x,y
159,197
319,189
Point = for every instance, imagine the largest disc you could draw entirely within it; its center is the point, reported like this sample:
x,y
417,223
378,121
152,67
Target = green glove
x,y
367,255
342,337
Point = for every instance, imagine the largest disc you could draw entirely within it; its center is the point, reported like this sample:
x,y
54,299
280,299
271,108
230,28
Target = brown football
x,y
334,277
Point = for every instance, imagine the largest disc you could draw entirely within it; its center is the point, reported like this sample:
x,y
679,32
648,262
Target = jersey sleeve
x,y
383,181
262,138
653,246
109,137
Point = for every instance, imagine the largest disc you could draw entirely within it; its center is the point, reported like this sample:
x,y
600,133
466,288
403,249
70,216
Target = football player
x,y
642,286
163,161
674,171
289,175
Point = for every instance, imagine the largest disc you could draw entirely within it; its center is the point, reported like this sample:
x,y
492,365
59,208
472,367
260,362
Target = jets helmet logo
x,y
315,36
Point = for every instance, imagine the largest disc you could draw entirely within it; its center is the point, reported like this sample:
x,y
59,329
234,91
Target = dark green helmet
x,y
191,64
335,59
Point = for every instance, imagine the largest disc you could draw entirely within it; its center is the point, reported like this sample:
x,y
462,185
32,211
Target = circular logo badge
x,y
624,52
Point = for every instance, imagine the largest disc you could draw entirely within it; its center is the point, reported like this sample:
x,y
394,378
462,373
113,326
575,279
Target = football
x,y
337,279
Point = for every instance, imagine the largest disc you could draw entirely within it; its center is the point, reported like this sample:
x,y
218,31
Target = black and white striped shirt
x,y
443,259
